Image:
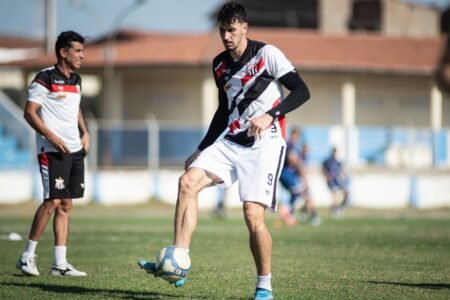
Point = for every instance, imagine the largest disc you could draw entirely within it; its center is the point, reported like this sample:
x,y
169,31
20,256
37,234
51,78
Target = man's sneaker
x,y
27,265
66,270
263,294
149,267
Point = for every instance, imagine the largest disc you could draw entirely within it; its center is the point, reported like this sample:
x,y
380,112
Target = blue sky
x,y
94,17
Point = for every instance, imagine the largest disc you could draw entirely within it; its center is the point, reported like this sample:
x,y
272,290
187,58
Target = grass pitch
x,y
364,255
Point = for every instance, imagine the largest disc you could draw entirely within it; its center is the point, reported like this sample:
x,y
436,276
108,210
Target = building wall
x,y
405,19
382,100
334,15
324,107
392,101
170,94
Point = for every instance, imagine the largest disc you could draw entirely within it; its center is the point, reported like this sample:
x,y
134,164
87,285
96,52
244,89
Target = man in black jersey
x,y
249,76
62,139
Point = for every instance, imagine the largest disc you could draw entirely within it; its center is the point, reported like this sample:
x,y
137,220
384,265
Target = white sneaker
x,y
27,265
66,270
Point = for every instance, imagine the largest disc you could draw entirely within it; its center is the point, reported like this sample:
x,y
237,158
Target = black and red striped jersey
x,y
252,88
59,98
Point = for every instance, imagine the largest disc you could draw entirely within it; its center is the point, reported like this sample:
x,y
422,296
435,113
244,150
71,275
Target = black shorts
x,y
62,174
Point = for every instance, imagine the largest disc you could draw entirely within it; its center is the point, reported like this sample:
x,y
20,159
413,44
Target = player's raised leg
x,y
186,212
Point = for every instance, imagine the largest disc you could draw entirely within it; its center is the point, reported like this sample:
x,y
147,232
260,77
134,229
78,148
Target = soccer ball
x,y
172,263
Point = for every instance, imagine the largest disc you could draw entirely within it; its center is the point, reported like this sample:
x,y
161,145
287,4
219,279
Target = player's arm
x,y
218,124
299,94
83,131
32,117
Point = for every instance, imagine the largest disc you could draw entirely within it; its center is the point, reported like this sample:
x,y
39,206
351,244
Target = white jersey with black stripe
x,y
252,88
59,98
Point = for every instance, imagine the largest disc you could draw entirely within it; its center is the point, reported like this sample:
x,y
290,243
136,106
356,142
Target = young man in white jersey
x,y
62,139
249,76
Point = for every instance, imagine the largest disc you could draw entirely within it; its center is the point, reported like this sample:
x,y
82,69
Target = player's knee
x,y
254,219
51,205
65,207
187,183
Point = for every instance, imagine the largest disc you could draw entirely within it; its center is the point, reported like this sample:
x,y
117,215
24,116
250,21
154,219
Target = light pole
x,y
111,103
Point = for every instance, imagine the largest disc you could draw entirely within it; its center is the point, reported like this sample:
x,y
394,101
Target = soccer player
x,y
293,178
336,181
249,76
53,110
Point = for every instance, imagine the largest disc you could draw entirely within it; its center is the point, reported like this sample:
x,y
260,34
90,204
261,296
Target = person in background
x,y
62,140
337,182
294,179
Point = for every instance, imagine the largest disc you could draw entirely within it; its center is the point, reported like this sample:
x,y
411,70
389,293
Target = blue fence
x,y
123,145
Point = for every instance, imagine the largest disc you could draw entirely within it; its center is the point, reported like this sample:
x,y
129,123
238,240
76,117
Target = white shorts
x,y
257,169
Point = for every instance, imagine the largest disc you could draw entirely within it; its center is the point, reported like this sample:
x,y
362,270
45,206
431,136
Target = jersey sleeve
x,y
39,88
276,62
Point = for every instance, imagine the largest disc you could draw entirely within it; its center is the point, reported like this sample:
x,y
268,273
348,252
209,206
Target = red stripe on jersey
x,y
252,70
234,125
281,120
43,159
64,88
218,71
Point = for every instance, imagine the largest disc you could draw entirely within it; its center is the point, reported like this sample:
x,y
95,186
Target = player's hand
x,y
191,158
85,141
59,144
258,125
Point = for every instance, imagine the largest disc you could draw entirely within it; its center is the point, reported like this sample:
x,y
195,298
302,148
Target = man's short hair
x,y
232,12
65,40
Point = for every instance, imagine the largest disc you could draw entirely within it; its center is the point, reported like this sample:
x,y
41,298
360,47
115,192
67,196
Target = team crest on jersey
x,y
59,183
251,69
61,95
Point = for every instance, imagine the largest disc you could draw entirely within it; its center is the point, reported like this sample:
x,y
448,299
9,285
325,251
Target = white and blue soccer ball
x,y
173,263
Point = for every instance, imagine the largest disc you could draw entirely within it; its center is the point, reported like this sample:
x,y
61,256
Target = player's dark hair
x,y
232,12
65,40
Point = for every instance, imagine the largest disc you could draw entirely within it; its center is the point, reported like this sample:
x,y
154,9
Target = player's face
x,y
232,35
74,55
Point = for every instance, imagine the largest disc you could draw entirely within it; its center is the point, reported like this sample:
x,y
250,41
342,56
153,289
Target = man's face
x,y
74,55
232,34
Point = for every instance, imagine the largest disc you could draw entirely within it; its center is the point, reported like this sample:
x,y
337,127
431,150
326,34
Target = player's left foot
x,y
149,267
180,282
66,270
263,294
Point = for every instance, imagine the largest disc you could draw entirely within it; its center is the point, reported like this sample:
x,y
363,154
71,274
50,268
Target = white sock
x,y
30,248
60,255
264,282
183,249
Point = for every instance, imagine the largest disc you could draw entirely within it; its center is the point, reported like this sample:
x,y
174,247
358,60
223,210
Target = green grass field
x,y
364,255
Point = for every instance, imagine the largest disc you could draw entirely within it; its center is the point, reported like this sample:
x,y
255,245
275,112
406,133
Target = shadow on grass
x,y
78,290
431,286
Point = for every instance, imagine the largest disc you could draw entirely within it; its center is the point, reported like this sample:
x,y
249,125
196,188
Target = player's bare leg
x,y
260,238
186,211
260,246
26,263
41,218
61,222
